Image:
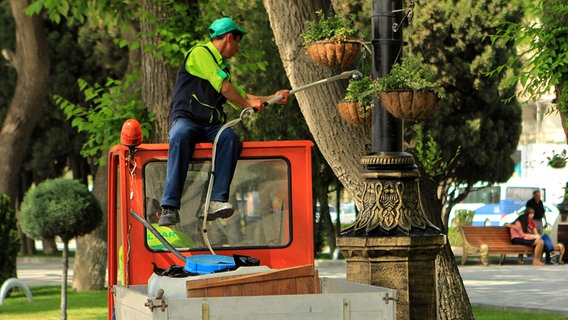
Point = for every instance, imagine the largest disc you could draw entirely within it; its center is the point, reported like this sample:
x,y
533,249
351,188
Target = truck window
x,y
260,194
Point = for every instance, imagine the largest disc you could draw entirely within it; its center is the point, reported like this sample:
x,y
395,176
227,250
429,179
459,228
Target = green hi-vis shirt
x,y
209,65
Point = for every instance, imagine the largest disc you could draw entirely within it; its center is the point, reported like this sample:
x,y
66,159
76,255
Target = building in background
x,y
542,134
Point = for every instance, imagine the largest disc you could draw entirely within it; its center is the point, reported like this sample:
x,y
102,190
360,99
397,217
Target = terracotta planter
x,y
334,54
352,113
406,104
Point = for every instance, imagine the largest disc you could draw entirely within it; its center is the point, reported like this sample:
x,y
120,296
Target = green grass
x,y
454,237
47,304
490,314
93,306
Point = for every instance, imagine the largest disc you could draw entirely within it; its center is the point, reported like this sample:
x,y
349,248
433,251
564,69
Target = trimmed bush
x,y
59,207
64,208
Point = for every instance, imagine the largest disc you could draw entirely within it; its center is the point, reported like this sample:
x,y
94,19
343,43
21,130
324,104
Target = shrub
x,y
59,207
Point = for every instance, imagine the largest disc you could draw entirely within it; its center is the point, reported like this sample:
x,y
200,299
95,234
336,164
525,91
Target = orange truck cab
x,y
271,192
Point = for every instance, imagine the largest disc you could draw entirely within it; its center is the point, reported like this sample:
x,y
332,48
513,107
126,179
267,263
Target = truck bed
x,y
339,299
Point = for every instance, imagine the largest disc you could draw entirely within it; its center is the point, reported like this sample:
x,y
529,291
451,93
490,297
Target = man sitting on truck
x,y
202,86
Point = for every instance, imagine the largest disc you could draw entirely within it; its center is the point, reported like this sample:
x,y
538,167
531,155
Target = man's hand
x,y
285,96
256,104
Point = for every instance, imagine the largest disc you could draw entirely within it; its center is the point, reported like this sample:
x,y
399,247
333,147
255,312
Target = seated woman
x,y
523,231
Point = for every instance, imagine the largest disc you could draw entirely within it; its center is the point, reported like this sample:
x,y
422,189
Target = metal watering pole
x,y
245,113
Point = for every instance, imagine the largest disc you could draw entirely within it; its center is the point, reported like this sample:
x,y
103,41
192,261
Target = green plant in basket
x,y
334,29
359,90
411,74
557,160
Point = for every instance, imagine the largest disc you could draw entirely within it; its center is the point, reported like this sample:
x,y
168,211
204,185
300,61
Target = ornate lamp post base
x,y
391,199
402,263
391,243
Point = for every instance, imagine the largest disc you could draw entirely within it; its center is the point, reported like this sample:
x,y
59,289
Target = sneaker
x,y
218,210
169,217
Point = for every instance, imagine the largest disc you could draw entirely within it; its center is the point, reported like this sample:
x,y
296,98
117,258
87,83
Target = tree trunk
x,y
49,246
328,225
343,145
27,246
453,300
64,279
318,105
91,256
158,79
32,66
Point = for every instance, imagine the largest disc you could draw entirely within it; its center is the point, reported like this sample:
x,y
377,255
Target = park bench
x,y
495,240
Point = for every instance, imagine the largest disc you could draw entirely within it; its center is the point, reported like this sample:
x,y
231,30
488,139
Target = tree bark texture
x,y
64,279
32,66
158,78
453,300
343,145
89,270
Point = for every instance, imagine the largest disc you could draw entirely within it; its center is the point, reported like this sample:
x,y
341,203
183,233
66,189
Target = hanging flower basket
x,y
339,54
557,163
406,104
353,113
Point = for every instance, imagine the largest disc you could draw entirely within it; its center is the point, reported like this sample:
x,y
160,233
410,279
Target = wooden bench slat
x,y
494,240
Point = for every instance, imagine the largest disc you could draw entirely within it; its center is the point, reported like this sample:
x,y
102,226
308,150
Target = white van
x,y
491,203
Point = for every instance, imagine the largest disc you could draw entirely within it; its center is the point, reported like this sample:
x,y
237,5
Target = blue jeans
x,y
184,134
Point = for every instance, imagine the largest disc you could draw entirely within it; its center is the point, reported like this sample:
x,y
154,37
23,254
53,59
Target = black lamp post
x,y
392,205
387,44
392,243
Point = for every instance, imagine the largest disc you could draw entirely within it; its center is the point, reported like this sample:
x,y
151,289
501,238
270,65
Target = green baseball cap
x,y
222,26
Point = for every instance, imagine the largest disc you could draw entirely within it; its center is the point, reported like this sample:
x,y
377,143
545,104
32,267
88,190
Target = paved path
x,y
507,287
43,271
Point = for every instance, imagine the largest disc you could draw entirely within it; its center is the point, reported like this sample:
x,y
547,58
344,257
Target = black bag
x,y
174,271
245,261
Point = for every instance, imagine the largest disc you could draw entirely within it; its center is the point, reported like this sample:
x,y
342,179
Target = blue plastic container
x,y
208,263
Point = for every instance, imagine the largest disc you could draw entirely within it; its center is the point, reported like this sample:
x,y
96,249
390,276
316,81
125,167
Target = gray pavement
x,y
43,271
513,287
510,287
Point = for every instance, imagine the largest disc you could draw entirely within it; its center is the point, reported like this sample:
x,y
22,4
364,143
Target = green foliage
x,y
430,154
359,90
464,217
543,42
334,28
453,38
108,109
10,240
59,207
557,160
410,74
